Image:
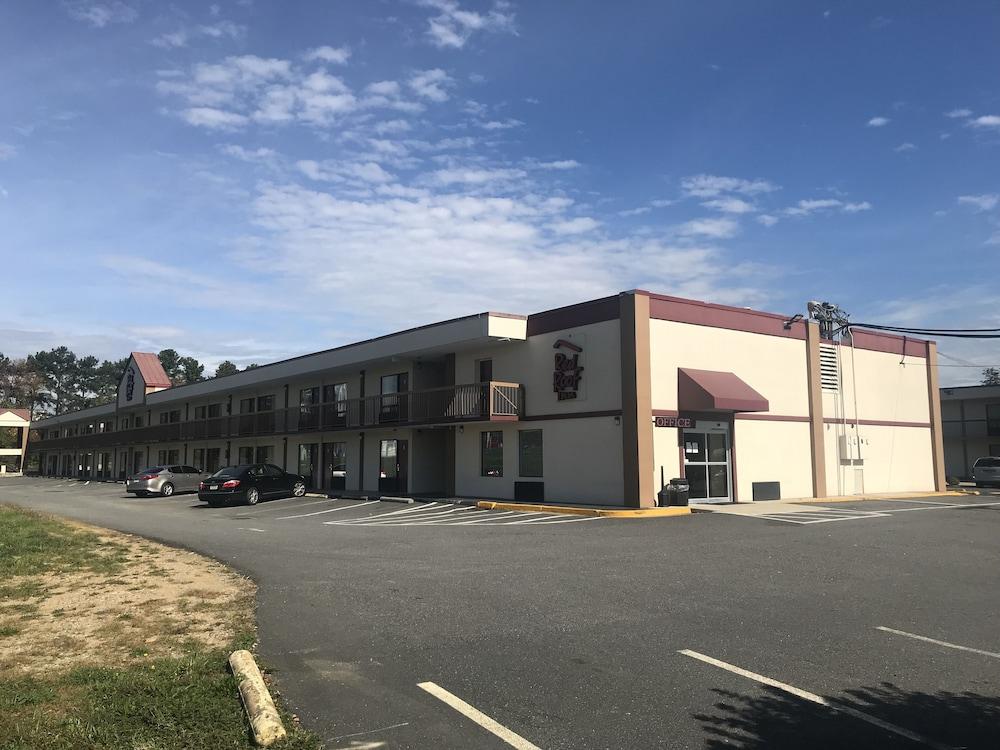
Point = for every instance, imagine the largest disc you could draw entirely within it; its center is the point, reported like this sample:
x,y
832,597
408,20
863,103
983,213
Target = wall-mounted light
x,y
618,420
461,429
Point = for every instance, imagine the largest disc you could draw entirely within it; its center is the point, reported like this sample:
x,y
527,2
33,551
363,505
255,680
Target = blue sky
x,y
252,180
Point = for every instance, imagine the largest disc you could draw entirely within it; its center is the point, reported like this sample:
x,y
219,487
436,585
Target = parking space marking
x,y
471,712
328,510
811,517
981,652
813,698
259,531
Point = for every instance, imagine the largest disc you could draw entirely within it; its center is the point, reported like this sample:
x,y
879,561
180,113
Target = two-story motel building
x,y
590,403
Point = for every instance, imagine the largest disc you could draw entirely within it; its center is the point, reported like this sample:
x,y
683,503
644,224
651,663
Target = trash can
x,y
678,489
665,496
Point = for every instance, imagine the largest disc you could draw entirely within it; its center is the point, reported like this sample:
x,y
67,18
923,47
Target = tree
x,y
60,375
191,370
226,368
20,385
991,376
108,376
180,369
251,366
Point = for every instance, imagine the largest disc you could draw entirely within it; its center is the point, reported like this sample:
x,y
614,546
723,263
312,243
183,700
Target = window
x,y
308,409
308,462
995,450
491,453
245,455
529,453
161,457
199,412
168,417
212,460
993,420
265,403
336,394
264,454
138,422
124,423
199,458
190,470
214,410
247,405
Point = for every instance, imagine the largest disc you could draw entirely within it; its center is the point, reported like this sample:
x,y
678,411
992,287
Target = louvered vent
x,y
829,373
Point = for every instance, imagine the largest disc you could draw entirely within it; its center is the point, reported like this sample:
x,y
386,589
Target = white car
x,y
986,471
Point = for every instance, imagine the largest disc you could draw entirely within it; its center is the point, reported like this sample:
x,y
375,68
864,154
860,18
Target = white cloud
x,y
986,121
100,15
985,202
635,211
431,84
454,25
7,151
718,229
501,124
389,127
443,240
470,176
853,208
274,91
253,156
878,122
823,205
958,113
578,225
344,172
218,30
902,147
709,186
559,165
729,205
214,119
335,55
767,220
661,203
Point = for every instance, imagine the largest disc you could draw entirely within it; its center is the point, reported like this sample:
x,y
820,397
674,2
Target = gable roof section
x,y
153,374
24,414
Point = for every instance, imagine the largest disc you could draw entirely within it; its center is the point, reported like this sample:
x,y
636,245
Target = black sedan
x,y
249,483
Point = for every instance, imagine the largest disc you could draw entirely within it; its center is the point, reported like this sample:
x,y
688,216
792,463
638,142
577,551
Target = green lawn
x,y
187,702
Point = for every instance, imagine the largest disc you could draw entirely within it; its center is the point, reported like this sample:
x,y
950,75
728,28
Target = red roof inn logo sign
x,y
130,384
568,372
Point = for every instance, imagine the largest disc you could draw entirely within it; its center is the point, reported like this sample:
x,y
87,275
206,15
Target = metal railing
x,y
492,401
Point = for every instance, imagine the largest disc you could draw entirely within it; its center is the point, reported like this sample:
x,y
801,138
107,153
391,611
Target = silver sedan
x,y
164,480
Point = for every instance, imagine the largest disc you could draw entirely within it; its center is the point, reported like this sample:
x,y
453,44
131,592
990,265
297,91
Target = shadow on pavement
x,y
778,720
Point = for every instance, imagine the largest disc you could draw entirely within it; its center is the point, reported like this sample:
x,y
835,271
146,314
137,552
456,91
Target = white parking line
x,y
813,698
259,531
422,517
946,507
510,737
991,654
329,510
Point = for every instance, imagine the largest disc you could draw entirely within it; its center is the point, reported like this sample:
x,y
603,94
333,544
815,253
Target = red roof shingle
x,y
24,414
151,370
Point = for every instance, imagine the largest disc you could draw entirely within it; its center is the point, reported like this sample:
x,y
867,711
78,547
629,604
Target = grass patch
x,y
31,543
137,679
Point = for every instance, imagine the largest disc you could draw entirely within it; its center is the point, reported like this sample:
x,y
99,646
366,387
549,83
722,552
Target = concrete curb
x,y
578,511
894,496
264,719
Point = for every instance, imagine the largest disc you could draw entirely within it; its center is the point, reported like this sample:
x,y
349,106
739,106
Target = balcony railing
x,y
474,402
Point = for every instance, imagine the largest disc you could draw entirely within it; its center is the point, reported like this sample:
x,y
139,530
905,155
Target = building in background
x,y
14,427
971,419
589,403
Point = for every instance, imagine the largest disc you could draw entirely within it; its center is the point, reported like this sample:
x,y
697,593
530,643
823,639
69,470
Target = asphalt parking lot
x,y
394,626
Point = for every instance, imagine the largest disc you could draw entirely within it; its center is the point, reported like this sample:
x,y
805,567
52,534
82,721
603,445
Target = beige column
x,y
934,399
637,402
816,436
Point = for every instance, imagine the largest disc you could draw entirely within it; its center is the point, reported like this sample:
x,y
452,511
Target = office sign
x,y
682,422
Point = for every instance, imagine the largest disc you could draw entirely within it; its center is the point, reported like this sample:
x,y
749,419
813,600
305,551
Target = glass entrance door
x,y
706,465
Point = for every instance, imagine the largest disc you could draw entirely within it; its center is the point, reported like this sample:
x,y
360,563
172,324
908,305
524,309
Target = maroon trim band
x,y
572,415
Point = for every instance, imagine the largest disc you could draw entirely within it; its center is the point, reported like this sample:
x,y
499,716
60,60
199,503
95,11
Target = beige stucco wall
x,y
582,461
775,367
893,459
531,363
773,452
890,387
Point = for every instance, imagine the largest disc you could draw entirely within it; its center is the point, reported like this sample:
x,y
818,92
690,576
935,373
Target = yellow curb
x,y
264,719
894,496
578,511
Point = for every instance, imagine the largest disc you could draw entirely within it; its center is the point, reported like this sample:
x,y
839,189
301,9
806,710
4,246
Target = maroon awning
x,y
710,390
